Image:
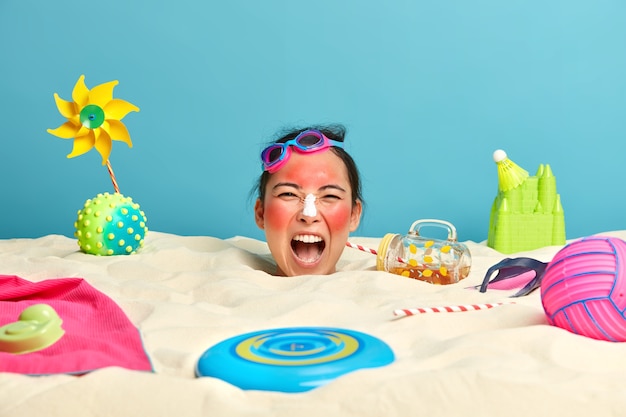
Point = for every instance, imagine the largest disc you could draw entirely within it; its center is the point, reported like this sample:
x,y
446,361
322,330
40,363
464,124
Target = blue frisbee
x,y
295,359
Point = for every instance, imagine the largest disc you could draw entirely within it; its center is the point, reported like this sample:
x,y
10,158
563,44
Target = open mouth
x,y
308,248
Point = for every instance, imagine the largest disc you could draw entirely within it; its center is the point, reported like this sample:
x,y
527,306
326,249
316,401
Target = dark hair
x,y
334,132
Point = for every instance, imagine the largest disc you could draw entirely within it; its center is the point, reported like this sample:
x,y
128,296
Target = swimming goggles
x,y
309,141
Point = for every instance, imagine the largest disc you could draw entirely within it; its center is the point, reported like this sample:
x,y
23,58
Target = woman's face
x,y
308,241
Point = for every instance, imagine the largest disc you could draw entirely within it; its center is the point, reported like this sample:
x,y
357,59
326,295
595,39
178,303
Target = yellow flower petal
x,y
66,130
117,108
117,130
66,108
82,144
80,94
101,94
103,144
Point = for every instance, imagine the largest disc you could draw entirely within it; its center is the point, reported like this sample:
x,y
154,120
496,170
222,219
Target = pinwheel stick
x,y
112,175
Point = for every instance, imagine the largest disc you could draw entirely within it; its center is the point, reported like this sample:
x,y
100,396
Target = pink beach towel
x,y
97,332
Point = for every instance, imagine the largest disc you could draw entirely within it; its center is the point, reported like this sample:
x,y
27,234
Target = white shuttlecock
x,y
510,175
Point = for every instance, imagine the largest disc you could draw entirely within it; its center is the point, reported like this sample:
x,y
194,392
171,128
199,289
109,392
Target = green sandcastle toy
x,y
527,213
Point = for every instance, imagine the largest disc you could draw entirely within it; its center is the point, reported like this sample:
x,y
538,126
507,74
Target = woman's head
x,y
310,201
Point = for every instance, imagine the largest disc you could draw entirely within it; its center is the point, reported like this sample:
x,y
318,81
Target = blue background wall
x,y
427,89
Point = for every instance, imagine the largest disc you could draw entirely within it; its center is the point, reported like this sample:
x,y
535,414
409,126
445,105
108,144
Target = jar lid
x,y
382,250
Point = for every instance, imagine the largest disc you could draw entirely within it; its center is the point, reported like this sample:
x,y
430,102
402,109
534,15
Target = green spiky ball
x,y
110,224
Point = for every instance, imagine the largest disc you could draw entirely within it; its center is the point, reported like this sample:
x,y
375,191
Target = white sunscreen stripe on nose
x,y
309,206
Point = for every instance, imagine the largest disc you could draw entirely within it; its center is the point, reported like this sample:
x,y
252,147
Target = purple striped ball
x,y
584,288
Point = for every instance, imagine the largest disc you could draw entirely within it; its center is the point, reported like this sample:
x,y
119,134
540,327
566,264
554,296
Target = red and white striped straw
x,y
405,312
369,250
361,248
112,175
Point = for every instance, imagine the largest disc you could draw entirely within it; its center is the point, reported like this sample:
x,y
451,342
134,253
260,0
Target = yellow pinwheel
x,y
93,119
